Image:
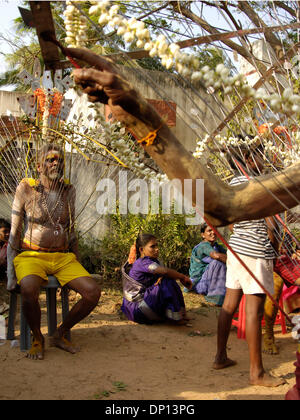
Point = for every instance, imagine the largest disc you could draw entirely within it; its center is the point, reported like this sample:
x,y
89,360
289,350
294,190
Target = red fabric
x,y
287,269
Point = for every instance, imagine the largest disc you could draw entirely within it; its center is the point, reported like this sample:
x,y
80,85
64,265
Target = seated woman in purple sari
x,y
150,291
208,267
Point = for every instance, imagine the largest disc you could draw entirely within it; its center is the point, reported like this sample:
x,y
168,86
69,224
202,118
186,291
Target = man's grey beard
x,y
55,176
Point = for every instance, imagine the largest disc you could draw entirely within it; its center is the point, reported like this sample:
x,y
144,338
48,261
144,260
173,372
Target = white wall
x,y
8,102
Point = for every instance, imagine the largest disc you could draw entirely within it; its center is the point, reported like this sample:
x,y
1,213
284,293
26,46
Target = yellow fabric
x,y
64,266
271,310
270,313
35,182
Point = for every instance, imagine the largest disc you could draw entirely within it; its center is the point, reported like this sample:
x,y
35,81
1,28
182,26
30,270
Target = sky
x,y
8,12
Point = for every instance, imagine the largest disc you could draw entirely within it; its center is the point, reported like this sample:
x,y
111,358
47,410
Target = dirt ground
x,y
120,360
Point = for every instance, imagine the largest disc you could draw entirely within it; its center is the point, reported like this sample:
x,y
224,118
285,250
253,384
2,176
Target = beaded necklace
x,y
58,229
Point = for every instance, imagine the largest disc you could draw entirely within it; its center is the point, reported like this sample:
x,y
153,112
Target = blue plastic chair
x,y
25,333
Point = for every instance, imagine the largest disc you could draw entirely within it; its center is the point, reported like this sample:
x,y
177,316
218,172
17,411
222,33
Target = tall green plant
x,y
176,240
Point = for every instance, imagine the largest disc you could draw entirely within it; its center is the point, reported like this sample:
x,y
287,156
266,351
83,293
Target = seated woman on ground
x,y
150,291
208,267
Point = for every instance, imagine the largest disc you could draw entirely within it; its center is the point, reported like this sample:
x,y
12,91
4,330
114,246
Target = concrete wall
x,y
8,102
163,86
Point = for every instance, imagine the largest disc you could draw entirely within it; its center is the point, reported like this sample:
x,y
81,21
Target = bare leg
x,y
30,289
254,314
230,305
90,295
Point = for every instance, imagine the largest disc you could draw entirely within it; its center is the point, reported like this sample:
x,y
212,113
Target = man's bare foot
x,y
37,350
267,380
63,344
224,364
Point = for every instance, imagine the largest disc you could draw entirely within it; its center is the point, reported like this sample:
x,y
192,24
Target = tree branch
x,y
285,7
255,19
223,204
212,30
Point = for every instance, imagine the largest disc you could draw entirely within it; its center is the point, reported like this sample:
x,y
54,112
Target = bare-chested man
x,y
46,208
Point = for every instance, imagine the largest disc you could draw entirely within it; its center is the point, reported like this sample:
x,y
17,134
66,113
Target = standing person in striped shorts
x,y
251,242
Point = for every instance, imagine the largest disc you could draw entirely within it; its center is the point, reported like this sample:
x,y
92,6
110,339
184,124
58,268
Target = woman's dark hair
x,y
142,241
203,227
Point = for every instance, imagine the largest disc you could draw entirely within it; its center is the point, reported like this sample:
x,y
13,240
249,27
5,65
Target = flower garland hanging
x,y
48,104
171,57
76,26
286,155
57,98
40,98
113,134
52,99
288,103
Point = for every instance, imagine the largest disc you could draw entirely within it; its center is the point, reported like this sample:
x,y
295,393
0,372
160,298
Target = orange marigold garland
x,y
57,99
55,107
40,100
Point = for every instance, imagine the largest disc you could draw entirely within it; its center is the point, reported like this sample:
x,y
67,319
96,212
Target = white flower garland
x,y
171,57
189,67
76,26
286,155
46,114
124,148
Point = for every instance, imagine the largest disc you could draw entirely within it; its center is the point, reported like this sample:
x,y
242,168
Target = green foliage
x,y
211,56
89,251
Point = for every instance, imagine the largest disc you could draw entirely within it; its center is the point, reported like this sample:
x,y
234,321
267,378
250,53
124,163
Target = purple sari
x,y
212,282
145,301
213,279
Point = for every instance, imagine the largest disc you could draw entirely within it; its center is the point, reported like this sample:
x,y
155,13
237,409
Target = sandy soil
x,y
120,360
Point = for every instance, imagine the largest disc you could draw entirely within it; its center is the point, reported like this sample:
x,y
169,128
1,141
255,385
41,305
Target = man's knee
x,y
94,293
231,301
30,288
91,292
255,307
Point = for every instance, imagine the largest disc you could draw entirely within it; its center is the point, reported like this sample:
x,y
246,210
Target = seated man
x,y
48,246
4,235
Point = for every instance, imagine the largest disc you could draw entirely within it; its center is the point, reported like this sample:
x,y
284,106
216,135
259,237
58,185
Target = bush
x,y
176,241
89,251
